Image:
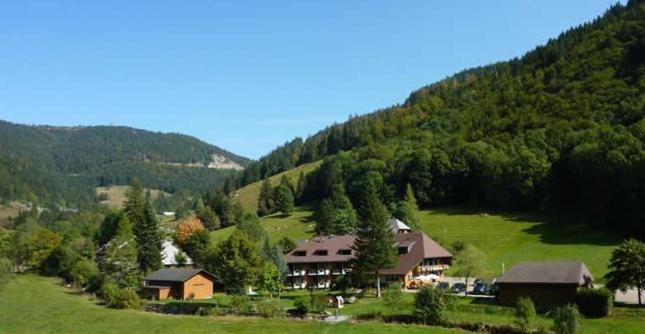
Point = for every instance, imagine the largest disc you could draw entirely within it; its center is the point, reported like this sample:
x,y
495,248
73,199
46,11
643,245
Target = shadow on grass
x,y
552,228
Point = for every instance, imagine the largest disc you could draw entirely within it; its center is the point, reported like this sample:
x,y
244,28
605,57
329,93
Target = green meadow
x,y
505,238
32,304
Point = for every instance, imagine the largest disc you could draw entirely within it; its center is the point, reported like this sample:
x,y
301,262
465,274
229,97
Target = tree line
x,y
560,128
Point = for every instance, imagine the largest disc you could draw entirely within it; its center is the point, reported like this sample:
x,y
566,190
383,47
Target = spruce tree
x,y
265,200
145,226
374,244
284,200
149,241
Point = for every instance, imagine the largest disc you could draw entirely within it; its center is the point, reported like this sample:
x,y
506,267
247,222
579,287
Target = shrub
x,y
566,320
430,306
392,297
270,308
5,269
524,313
241,305
124,299
313,303
595,302
83,272
302,305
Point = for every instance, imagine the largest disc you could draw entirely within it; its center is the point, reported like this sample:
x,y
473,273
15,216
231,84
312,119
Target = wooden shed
x,y
548,284
178,283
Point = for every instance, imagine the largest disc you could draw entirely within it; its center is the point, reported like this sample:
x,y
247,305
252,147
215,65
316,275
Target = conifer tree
x,y
284,200
149,241
145,227
374,243
265,200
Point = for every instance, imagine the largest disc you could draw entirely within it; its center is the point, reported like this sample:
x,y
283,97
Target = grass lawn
x,y
624,320
116,195
511,238
248,195
298,226
504,237
33,304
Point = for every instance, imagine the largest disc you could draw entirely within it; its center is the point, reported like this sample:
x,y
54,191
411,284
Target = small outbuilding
x,y
548,284
178,283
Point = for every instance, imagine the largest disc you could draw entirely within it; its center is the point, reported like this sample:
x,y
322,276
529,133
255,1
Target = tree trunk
x,y
639,296
378,285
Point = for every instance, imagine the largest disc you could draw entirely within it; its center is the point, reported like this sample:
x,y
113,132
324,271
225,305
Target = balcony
x,y
319,272
296,273
435,267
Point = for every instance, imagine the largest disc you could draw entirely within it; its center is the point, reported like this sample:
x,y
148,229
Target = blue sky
x,y
250,75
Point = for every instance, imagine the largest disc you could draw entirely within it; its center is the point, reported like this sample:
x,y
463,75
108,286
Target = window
x,y
300,253
403,250
345,252
320,252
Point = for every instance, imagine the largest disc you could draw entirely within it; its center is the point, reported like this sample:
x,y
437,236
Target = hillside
x,y
505,237
248,195
561,128
62,165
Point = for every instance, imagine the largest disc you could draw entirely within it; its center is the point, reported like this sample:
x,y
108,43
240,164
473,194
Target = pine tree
x,y
207,216
300,187
119,256
145,226
374,243
284,200
265,200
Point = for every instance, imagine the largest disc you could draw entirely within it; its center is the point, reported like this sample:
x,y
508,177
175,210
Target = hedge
x,y
595,302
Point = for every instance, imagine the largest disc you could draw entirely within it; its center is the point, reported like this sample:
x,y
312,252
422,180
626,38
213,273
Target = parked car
x,y
458,288
445,286
479,287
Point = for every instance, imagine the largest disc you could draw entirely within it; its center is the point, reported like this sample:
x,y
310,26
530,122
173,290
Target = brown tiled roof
x,y
332,244
547,273
423,247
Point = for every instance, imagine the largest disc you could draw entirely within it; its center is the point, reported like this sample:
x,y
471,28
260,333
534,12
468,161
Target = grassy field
x,y
505,238
116,195
511,238
623,320
8,211
32,304
298,226
248,195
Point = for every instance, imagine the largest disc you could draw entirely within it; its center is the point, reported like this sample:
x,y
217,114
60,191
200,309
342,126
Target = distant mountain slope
x,y
64,164
560,128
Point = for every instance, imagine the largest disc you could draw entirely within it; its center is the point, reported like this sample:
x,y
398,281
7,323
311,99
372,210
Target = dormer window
x,y
344,252
320,252
300,253
403,250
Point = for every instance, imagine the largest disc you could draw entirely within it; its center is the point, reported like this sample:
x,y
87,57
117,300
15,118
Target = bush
x,y
430,306
83,272
124,299
206,311
595,302
313,303
302,305
566,320
5,269
524,313
392,297
241,305
271,308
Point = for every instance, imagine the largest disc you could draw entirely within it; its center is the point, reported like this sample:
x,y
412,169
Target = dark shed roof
x,y
547,273
175,274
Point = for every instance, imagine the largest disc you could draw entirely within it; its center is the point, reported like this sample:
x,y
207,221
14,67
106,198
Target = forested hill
x,y
63,164
561,127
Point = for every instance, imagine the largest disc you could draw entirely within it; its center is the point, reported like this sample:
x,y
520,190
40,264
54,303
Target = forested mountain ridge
x,y
559,128
63,164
